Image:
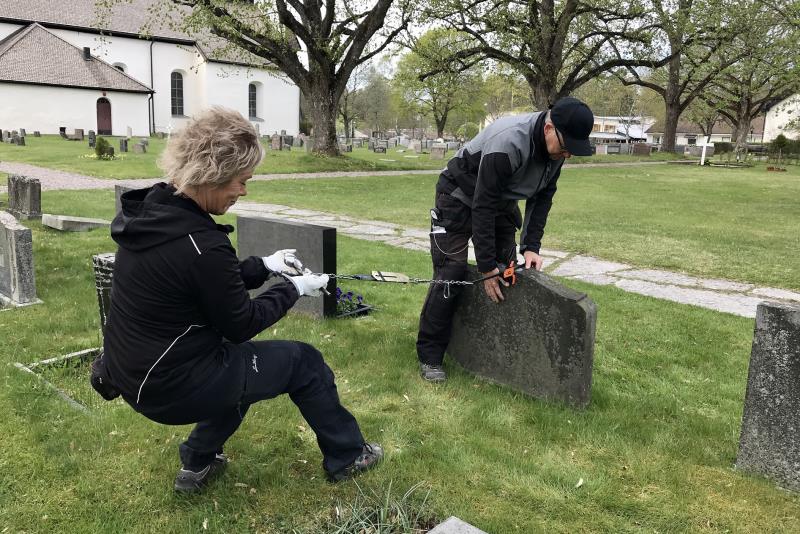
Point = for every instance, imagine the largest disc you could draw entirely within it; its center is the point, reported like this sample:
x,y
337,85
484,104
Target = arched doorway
x,y
103,116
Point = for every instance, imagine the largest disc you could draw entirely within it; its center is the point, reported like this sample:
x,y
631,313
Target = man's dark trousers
x,y
449,254
259,370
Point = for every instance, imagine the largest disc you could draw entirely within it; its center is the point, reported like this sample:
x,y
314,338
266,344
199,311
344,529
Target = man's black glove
x,y
99,379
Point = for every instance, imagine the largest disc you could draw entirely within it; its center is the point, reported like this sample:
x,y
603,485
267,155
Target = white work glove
x,y
309,284
284,262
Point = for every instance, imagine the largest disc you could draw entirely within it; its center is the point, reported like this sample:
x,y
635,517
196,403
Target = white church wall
x,y
779,117
167,58
278,102
73,108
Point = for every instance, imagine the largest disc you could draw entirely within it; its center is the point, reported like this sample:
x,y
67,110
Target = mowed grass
x,y
654,449
56,153
737,224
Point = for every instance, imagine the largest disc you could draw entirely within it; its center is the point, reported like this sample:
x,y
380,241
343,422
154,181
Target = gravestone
x,y
7,136
276,142
78,135
454,525
358,143
453,145
17,277
438,151
103,276
613,149
297,142
139,148
380,150
416,146
640,149
283,133
309,145
316,247
20,141
544,346
68,223
123,144
24,197
14,138
128,132
371,144
769,444
258,130
92,139
62,131
601,149
22,132
118,192
680,149
37,133
2,136
288,140
346,148
392,143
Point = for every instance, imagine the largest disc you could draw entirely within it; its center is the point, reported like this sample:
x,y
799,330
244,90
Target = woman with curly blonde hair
x,y
177,342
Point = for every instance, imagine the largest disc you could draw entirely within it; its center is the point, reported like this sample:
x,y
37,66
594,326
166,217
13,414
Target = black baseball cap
x,y
574,121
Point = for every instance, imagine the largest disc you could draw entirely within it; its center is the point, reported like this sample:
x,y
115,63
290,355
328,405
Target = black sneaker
x,y
370,456
191,482
432,373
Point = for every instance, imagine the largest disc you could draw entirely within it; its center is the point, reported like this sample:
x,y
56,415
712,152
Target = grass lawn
x,y
655,448
54,152
739,224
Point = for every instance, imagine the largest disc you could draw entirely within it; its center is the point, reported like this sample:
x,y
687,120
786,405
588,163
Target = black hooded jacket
x,y
178,290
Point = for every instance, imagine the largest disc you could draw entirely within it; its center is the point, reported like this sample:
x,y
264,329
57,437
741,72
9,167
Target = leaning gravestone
x,y
24,197
103,276
539,341
316,247
769,444
17,277
118,192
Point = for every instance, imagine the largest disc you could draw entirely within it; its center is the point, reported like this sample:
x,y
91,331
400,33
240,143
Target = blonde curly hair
x,y
216,145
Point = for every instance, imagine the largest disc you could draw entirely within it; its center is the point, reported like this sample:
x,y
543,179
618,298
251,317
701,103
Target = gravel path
x,y
52,179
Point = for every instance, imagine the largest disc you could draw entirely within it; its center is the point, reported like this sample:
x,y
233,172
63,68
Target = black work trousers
x,y
258,370
449,252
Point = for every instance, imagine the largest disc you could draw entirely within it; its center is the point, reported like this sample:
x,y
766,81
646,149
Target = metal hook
x,y
447,290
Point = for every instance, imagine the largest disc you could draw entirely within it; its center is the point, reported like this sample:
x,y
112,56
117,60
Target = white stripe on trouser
x,y
138,396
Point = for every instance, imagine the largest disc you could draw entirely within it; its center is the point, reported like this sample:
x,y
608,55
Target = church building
x,y
63,64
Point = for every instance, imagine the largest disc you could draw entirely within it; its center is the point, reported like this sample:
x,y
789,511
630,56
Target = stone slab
x,y
774,293
17,275
581,265
316,247
545,347
454,525
67,223
769,444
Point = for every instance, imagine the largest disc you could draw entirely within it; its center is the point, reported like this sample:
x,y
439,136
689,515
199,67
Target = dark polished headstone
x,y
538,341
380,150
17,276
103,276
22,132
37,133
316,247
769,444
640,149
123,145
24,197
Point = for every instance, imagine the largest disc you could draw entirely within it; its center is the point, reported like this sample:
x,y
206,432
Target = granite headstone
x,y
92,138
17,276
103,277
24,197
640,149
545,345
276,142
438,151
316,247
769,444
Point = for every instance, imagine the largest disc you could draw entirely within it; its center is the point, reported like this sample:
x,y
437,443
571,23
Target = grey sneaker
x,y
370,456
192,482
432,373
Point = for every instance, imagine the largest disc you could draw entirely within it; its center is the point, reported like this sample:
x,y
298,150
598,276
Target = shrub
x,y
779,143
468,130
101,147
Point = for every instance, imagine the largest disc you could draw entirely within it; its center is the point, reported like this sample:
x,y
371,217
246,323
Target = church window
x,y
252,100
176,92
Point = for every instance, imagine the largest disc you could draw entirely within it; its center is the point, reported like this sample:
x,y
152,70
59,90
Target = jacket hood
x,y
155,215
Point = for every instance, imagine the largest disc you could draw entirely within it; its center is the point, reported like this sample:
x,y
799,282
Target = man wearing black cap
x,y
514,158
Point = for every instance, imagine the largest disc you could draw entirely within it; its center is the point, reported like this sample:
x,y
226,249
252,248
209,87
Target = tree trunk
x,y
440,123
742,124
672,105
543,92
322,104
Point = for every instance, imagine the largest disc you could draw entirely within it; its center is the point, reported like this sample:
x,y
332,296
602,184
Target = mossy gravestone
x,y
769,444
538,341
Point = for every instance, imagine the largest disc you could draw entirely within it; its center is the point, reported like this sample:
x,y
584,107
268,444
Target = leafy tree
x,y
767,71
505,91
375,105
349,110
316,44
439,94
555,45
694,33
